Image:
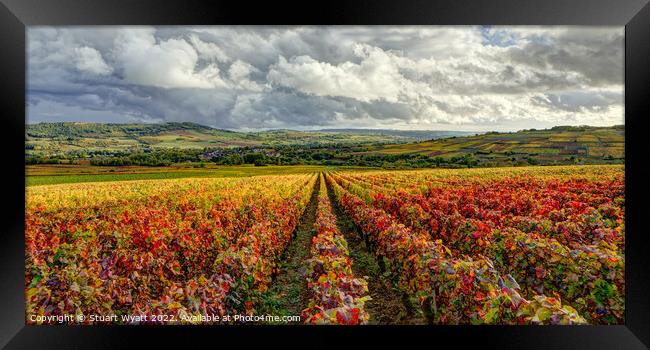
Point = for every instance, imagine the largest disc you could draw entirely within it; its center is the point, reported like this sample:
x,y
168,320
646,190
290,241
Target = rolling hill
x,y
556,145
359,147
53,138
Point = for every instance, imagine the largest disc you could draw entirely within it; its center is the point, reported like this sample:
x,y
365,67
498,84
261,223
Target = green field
x,y
58,174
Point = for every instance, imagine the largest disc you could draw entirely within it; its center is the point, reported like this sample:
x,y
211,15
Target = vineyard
x,y
529,245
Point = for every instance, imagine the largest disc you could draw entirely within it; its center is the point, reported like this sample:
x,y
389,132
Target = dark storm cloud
x,y
246,77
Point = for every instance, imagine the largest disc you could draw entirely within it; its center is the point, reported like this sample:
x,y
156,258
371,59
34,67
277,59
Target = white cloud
x,y
90,60
374,78
168,63
207,50
240,72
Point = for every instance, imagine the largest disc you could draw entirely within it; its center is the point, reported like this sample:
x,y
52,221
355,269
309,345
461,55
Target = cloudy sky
x,y
248,78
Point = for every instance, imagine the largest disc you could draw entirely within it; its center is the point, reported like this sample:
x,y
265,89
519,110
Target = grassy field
x,y
62,174
58,174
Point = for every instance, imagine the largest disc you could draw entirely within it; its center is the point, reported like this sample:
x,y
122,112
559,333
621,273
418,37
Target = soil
x,y
288,294
387,305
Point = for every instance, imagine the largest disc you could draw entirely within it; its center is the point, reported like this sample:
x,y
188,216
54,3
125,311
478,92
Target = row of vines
x,y
164,247
484,246
534,245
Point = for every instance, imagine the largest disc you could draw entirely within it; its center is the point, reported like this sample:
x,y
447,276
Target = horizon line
x,y
316,130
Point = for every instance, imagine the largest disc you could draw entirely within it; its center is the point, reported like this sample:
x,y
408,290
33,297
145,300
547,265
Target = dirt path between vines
x,y
288,293
386,306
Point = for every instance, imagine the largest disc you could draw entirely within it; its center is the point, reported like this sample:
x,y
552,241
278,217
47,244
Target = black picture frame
x,y
15,15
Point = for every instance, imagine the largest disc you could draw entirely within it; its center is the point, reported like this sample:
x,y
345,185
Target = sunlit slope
x,y
49,138
557,144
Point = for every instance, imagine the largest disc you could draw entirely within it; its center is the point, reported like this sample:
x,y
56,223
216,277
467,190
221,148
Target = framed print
x,y
453,172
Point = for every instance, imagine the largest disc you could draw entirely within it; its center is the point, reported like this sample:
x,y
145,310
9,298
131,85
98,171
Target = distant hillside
x,y
56,138
78,130
171,143
412,134
560,144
